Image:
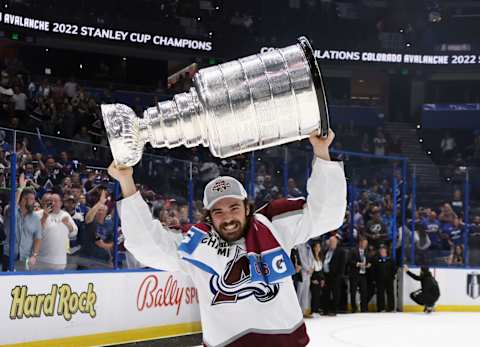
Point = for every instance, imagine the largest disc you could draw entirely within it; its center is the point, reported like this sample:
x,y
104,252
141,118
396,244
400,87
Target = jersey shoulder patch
x,y
192,238
280,206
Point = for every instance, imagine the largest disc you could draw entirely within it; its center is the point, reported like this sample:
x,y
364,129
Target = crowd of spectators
x,y
56,108
358,263
49,165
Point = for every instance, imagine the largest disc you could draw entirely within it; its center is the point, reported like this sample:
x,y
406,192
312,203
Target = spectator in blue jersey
x,y
431,225
456,232
80,204
452,234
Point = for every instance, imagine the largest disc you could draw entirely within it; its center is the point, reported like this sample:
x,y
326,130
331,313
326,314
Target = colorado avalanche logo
x,y
235,283
221,186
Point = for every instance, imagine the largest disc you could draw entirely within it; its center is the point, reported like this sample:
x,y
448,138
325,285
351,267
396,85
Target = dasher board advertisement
x,y
98,307
459,290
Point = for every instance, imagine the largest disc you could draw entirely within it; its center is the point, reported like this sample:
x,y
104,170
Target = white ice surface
x,y
438,329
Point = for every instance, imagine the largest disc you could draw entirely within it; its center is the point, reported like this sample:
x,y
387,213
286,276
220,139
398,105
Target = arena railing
x,y
176,186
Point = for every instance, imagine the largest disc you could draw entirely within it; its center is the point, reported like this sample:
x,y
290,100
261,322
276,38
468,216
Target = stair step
x,y
430,187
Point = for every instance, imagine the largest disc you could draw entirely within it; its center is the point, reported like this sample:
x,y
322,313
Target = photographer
x,y
58,228
429,293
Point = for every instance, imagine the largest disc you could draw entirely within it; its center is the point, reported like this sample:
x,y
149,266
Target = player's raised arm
x,y
325,205
145,237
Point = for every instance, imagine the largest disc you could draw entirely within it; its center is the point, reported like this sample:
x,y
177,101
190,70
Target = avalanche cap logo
x,y
473,285
221,186
235,283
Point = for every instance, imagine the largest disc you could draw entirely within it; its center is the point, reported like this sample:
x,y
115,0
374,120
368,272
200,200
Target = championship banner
x,y
90,32
97,307
459,290
393,58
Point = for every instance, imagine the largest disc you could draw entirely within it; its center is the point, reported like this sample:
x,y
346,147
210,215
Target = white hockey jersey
x,y
234,310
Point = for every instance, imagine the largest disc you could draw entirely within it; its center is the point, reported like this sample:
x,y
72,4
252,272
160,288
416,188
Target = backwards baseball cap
x,y
222,187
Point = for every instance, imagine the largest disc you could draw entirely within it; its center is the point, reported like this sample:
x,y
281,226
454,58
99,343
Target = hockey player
x,y
239,259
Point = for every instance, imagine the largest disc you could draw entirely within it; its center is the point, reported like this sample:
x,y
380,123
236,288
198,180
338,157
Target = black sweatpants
x,y
423,299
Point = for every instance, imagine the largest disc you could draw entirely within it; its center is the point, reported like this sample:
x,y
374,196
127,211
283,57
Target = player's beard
x,y
233,230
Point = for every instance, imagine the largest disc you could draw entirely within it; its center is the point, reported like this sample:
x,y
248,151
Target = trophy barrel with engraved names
x,y
247,104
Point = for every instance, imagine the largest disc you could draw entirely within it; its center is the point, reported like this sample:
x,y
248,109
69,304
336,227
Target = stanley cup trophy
x,y
255,102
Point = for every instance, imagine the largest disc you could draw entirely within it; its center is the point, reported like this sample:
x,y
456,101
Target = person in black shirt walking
x,y
384,270
429,293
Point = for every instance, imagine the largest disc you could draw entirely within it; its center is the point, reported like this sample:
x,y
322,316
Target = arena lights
x,y
81,66
199,19
408,44
46,49
429,152
418,126
420,140
217,8
124,58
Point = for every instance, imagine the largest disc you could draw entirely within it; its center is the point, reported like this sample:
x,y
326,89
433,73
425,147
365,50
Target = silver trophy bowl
x,y
255,102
